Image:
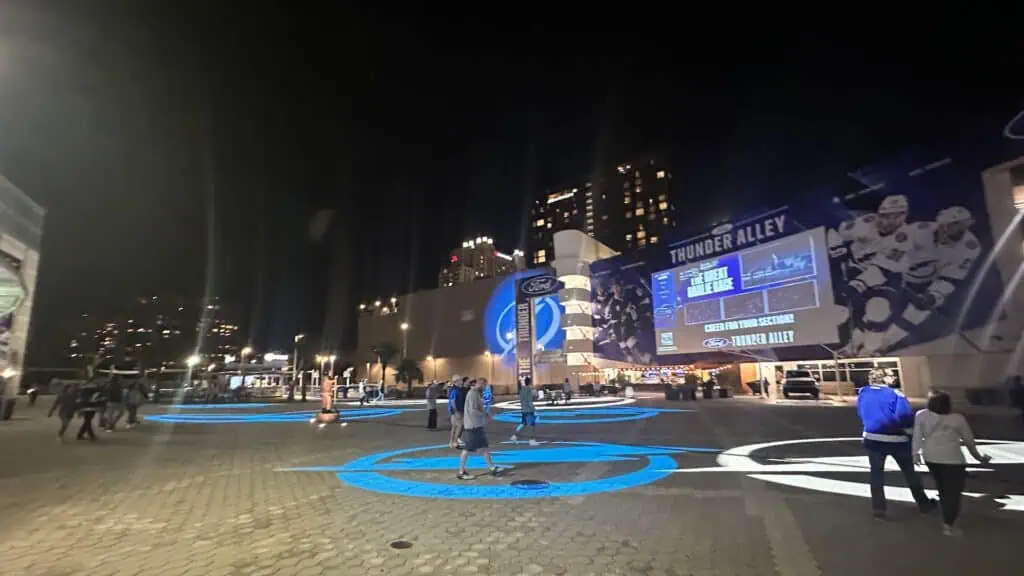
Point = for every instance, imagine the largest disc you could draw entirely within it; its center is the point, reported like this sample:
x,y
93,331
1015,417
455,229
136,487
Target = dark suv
x,y
800,382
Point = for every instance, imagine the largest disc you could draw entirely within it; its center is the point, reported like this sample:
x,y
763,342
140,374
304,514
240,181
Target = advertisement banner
x,y
12,294
528,289
879,260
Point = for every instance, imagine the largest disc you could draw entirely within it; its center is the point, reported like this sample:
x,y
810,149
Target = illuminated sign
x,y
729,237
639,465
539,286
500,327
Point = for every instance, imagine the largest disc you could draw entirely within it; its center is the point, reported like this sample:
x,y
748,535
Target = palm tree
x,y
407,371
385,351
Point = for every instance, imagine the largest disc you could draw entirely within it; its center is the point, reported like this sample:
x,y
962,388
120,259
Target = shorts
x,y
456,419
474,439
528,418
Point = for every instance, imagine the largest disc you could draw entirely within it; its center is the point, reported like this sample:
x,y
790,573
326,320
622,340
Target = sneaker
x,y
948,530
496,471
465,476
533,442
514,438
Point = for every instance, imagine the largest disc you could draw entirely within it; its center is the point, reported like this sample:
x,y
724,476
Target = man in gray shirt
x,y
431,396
528,413
474,436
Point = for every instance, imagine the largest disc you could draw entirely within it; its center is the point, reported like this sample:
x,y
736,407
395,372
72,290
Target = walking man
x,y
528,415
431,395
91,400
474,434
455,411
115,404
567,391
64,405
888,421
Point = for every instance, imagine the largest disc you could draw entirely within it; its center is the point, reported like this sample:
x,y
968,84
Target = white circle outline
x,y
585,403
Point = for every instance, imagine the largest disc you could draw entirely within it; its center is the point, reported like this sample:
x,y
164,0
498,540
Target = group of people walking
x,y
109,399
932,437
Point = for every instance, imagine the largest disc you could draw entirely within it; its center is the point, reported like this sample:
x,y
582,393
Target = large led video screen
x,y
768,296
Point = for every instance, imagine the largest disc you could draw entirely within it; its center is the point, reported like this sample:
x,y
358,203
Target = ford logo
x,y
716,342
721,229
540,285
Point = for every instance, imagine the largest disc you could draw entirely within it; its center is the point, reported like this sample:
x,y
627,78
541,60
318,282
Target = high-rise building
x,y
627,207
477,258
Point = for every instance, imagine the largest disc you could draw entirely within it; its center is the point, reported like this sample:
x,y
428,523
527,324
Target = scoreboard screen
x,y
767,296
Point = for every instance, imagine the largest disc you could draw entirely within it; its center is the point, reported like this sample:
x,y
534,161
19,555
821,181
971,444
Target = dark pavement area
x,y
599,498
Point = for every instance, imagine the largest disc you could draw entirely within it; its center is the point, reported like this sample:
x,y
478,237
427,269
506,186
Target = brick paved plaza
x,y
206,499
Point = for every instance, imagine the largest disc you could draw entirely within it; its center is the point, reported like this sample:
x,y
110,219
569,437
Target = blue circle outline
x,y
266,417
612,413
658,467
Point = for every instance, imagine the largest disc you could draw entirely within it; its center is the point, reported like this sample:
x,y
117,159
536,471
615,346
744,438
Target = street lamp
x,y
332,358
243,360
405,340
192,361
295,359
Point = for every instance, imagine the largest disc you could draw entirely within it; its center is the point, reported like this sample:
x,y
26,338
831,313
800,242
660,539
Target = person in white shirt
x,y
938,435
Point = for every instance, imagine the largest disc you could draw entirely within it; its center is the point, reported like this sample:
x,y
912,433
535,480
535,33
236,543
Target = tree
x,y
385,351
407,371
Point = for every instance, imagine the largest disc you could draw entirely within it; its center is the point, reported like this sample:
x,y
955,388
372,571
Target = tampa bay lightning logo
x,y
633,466
718,342
500,320
1014,129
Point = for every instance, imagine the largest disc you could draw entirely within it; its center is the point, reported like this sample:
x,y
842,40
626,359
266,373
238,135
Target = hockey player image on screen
x,y
909,278
625,322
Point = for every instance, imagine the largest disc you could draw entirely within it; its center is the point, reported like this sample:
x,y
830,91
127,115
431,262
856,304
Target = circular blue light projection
x,y
267,417
215,406
369,472
500,319
596,415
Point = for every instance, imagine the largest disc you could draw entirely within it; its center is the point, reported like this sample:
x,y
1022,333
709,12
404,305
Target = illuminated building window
x,y
641,242
664,220
640,234
625,185
627,199
540,222
639,181
604,217
639,189
639,211
660,174
654,239
629,236
629,214
662,206
661,196
636,174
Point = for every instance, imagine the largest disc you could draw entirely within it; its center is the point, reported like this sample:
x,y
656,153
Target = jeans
x,y
949,480
65,421
432,418
114,412
133,410
900,452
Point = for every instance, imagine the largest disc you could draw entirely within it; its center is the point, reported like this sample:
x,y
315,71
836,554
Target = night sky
x,y
182,147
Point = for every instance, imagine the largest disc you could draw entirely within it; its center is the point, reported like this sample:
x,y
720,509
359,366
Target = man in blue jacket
x,y
888,421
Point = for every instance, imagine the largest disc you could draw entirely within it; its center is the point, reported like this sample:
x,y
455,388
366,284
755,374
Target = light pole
x,y
331,359
295,358
243,359
192,361
405,340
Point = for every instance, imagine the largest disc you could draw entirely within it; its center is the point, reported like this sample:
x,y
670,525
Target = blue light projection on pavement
x,y
366,473
589,415
265,417
215,406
